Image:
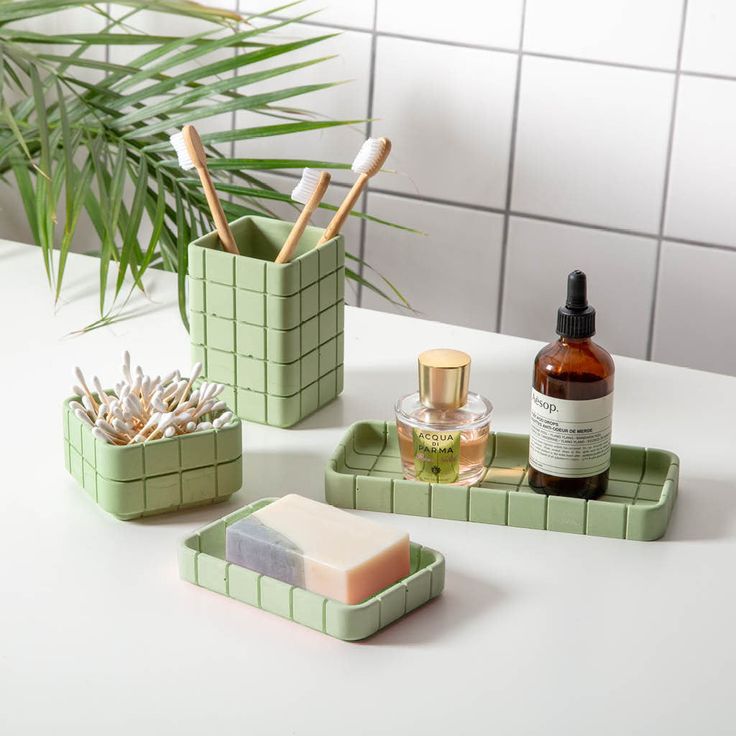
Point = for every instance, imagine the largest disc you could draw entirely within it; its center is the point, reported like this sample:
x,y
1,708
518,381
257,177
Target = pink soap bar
x,y
320,548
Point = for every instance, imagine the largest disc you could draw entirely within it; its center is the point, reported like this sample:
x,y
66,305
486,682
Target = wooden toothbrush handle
x,y
223,229
338,220
288,248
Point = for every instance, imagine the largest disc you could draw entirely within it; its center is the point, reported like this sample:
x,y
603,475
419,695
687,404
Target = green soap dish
x,y
271,332
202,562
365,473
164,475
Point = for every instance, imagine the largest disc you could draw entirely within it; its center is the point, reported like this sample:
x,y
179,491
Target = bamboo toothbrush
x,y
369,161
309,192
191,153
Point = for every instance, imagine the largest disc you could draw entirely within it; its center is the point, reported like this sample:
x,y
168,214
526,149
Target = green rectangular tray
x,y
365,473
271,332
202,562
153,478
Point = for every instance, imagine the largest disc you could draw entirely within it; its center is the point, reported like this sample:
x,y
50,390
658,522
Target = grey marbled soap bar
x,y
252,544
317,547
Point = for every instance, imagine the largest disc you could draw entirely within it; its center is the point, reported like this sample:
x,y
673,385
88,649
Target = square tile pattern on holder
x,y
163,475
365,473
272,333
202,562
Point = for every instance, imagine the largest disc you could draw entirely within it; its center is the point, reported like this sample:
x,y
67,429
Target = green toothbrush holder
x,y
271,333
155,477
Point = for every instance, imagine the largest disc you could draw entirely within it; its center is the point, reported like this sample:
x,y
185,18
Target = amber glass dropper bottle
x,y
572,401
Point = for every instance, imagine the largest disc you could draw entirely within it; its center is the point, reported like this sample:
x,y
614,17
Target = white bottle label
x,y
570,439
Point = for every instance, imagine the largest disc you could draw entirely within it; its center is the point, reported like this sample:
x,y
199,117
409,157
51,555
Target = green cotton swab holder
x,y
202,562
272,333
365,473
143,479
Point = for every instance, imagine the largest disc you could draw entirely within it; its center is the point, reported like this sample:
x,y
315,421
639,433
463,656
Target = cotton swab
x,y
196,370
144,409
83,416
104,398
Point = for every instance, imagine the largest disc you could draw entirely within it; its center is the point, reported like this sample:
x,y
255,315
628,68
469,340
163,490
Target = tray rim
x,y
637,522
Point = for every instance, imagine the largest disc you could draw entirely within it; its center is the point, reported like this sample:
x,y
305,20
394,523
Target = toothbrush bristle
x,y
306,186
177,141
369,155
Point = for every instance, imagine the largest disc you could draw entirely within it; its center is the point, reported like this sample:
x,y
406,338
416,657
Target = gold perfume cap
x,y
443,378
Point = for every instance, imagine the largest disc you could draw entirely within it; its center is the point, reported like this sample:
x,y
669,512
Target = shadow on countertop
x,y
705,510
464,598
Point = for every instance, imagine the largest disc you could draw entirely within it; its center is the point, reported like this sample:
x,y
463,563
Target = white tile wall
x,y
702,195
348,101
620,270
696,310
449,141
78,20
709,37
152,22
643,32
492,22
532,137
592,143
347,13
449,274
13,222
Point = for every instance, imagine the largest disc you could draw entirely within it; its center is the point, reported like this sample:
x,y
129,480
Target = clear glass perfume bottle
x,y
443,428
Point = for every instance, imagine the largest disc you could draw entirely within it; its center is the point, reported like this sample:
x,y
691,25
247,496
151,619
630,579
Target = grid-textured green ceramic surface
x,y
202,562
272,333
152,478
365,473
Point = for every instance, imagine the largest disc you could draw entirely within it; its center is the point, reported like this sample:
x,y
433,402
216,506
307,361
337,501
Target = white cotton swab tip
x,y
307,185
222,420
100,435
143,409
83,417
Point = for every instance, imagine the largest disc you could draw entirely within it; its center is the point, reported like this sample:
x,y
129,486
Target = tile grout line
x,y
535,54
701,244
369,131
666,183
510,174
600,62
534,216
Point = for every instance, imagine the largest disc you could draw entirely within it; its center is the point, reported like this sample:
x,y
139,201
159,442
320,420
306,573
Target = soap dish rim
x,y
349,622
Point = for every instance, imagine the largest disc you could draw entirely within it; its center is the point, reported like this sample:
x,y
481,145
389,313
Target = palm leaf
x,y
101,147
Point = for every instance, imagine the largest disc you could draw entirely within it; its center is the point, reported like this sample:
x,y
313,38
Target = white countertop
x,y
536,632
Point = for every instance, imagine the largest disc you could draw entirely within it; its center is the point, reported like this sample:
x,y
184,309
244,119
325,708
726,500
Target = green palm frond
x,y
100,148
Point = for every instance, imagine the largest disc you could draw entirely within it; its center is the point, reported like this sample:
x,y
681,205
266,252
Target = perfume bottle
x,y
443,428
572,404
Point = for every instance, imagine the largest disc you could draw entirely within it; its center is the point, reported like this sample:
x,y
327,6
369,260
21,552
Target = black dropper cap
x,y
577,318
